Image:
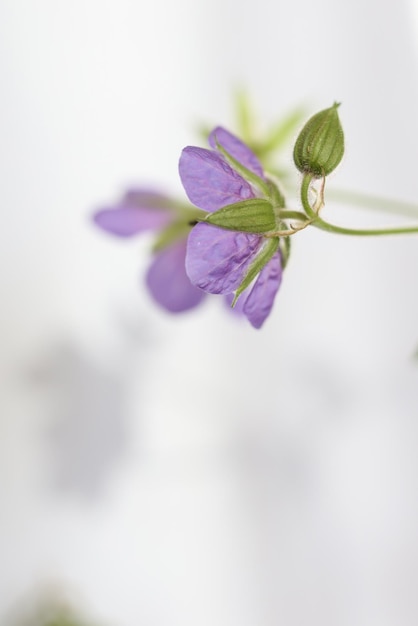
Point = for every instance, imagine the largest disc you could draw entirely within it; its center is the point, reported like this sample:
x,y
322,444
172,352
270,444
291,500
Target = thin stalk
x,y
318,222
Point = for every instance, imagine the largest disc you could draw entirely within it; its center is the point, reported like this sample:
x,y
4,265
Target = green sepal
x,y
255,215
268,251
279,134
285,246
244,114
247,174
188,217
173,232
275,195
320,145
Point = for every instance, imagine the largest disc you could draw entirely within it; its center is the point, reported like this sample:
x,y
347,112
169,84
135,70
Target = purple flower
x,y
143,210
221,261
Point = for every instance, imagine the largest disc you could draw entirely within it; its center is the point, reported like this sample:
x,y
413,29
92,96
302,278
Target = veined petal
x,y
217,259
259,302
128,220
237,149
168,283
209,181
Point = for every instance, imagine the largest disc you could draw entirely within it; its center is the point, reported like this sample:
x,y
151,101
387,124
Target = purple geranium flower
x,y
224,261
142,210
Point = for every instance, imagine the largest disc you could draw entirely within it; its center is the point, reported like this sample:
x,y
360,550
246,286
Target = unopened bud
x,y
320,145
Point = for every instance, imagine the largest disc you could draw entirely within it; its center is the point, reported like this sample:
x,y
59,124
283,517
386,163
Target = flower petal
x,y
168,283
217,259
237,149
260,300
128,220
148,199
209,181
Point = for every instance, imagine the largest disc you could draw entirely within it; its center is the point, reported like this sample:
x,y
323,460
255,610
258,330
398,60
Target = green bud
x,y
249,216
320,145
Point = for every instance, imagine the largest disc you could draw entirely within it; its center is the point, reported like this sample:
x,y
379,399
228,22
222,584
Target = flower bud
x,y
255,215
320,145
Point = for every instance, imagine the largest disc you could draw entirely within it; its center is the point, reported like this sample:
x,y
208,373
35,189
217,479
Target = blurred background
x,y
189,470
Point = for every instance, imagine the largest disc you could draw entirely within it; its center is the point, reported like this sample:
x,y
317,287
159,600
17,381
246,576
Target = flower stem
x,y
332,228
284,214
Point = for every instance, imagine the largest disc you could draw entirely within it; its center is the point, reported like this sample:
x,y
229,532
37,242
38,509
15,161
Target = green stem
x,y
332,228
284,214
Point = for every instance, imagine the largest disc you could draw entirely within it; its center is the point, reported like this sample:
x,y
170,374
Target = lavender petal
x,y
126,220
147,199
209,181
237,149
260,300
217,259
168,283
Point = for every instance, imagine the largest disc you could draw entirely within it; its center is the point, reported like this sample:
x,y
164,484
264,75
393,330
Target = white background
x,y
190,470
